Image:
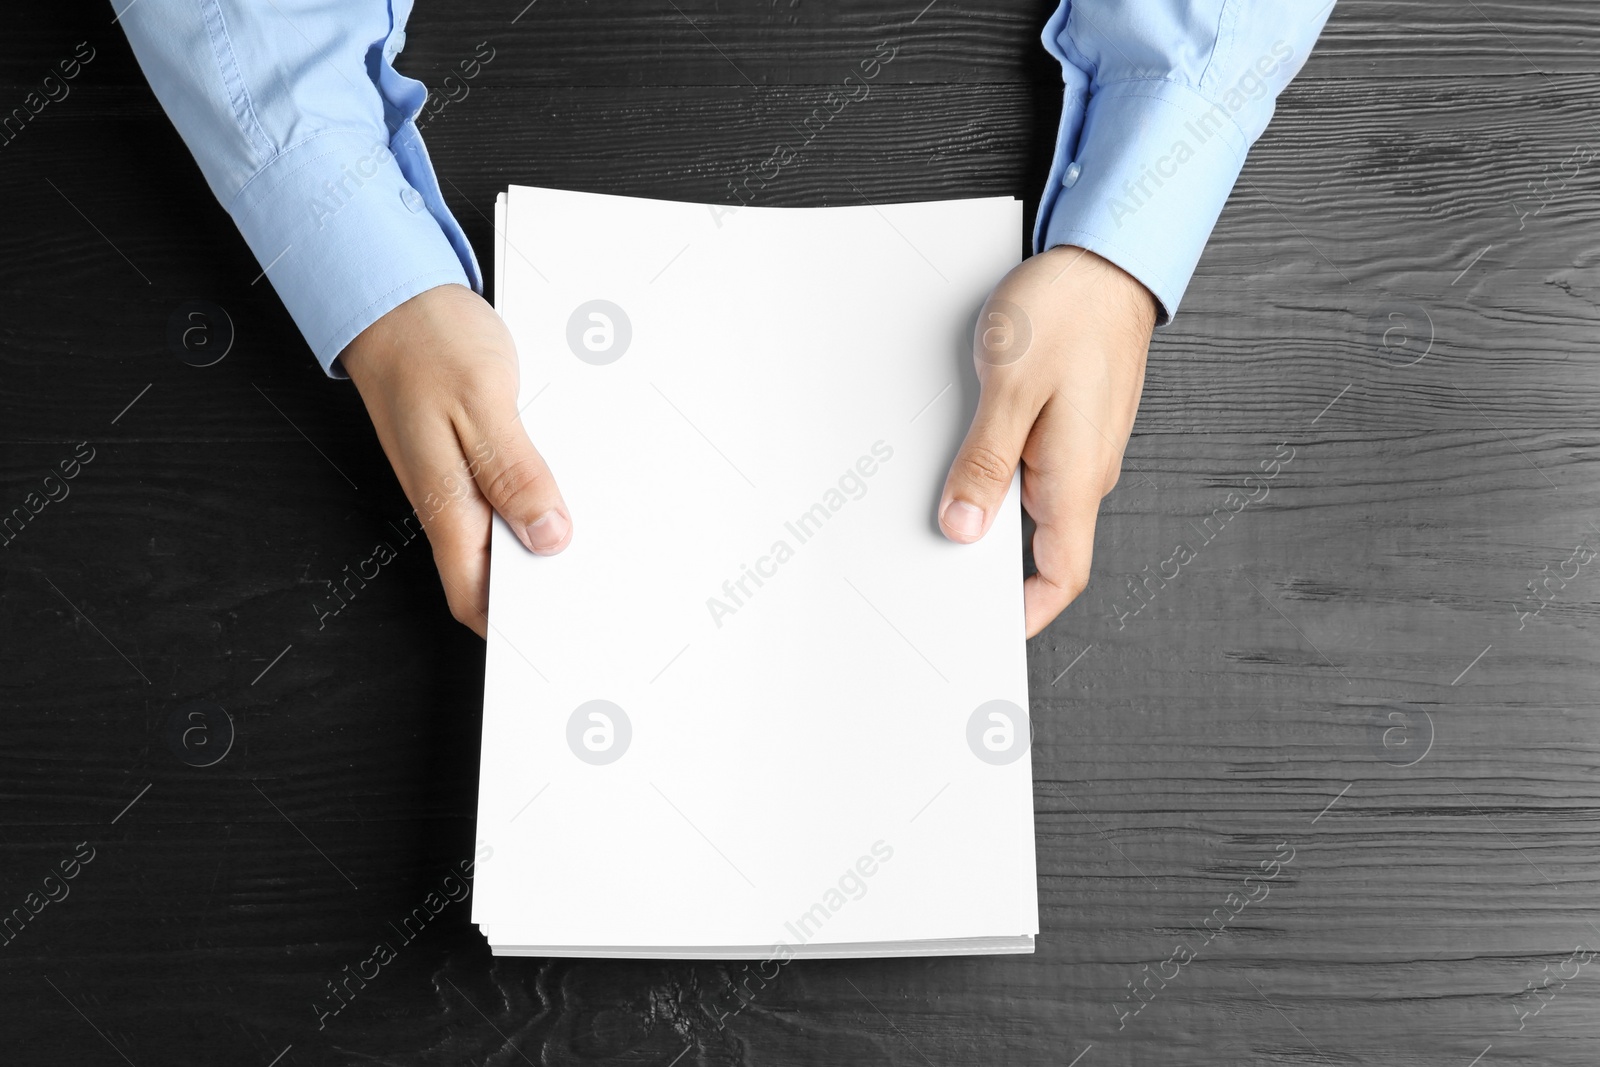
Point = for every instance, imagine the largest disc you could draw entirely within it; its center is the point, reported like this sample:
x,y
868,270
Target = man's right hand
x,y
438,375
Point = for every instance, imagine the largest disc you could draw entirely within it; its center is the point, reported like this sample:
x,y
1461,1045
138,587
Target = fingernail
x,y
547,534
963,520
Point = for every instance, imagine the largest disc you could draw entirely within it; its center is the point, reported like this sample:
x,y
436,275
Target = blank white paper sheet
x,y
760,707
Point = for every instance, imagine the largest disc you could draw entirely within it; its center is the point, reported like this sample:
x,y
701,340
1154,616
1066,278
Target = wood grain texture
x,y
785,42
1344,669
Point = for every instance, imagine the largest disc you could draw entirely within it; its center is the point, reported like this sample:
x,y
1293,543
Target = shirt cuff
x,y
344,237
1153,167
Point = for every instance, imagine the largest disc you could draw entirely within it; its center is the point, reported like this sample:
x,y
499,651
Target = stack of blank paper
x,y
760,707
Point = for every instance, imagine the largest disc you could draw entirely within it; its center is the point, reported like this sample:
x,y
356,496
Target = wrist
x,y
1127,294
384,343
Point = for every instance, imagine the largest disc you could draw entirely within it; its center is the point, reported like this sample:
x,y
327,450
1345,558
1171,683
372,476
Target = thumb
x,y
981,475
518,484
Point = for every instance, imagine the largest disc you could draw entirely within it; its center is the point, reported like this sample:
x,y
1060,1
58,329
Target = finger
x,y
458,529
452,512
1064,479
981,475
515,480
468,597
456,517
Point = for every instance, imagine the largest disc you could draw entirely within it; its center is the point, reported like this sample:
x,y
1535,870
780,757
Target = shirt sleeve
x,y
306,133
1163,100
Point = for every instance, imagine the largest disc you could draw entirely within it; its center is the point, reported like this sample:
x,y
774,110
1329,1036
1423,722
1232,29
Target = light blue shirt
x,y
307,135
1164,98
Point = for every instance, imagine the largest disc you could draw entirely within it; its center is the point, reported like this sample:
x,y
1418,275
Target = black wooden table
x,y
1372,692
